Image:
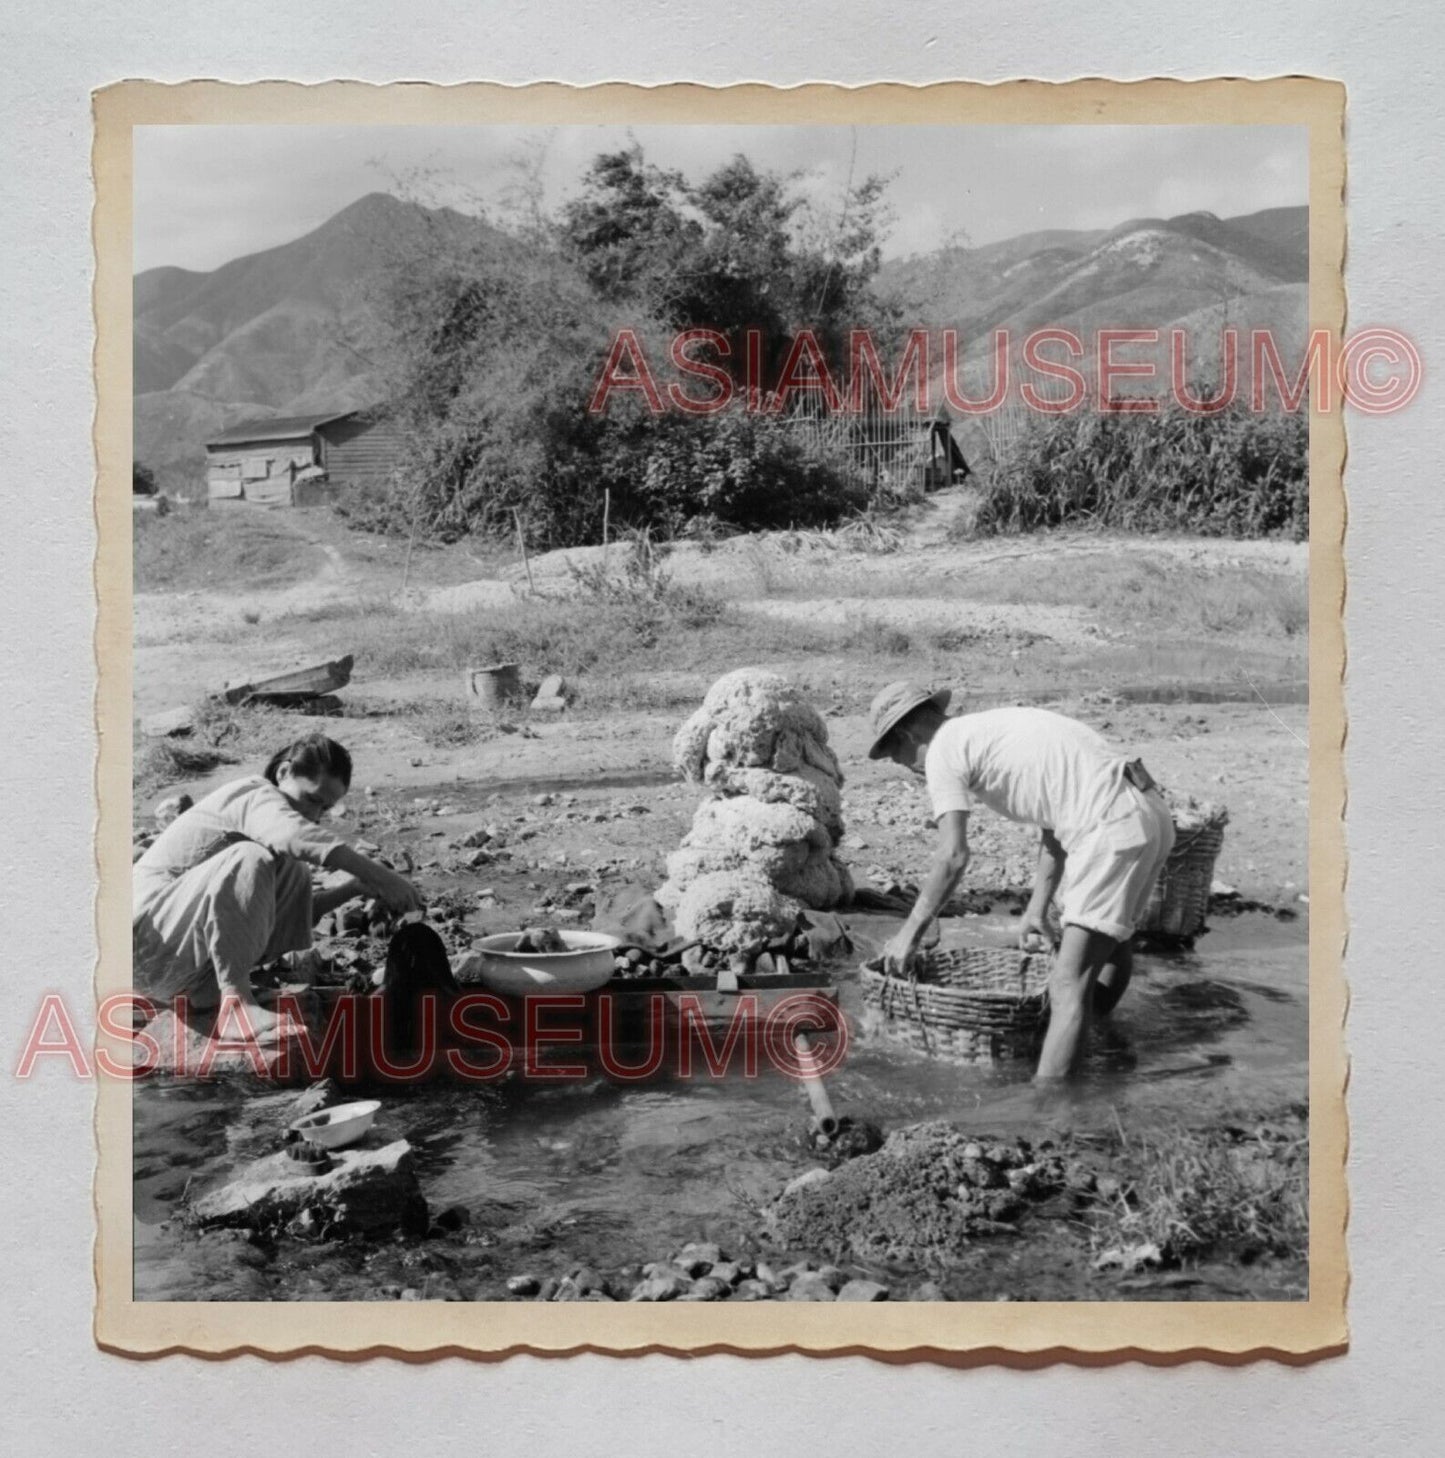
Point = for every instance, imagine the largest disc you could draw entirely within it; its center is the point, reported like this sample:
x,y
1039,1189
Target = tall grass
x,y
1233,473
1193,1193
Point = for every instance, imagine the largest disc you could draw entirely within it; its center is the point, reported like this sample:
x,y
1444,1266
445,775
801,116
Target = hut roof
x,y
285,427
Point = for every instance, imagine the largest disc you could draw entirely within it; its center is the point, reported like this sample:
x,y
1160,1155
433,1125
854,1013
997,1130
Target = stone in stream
x,y
772,1279
752,1290
812,1286
661,1288
728,1271
814,1176
709,1288
580,1283
523,1285
365,1190
697,1257
861,1290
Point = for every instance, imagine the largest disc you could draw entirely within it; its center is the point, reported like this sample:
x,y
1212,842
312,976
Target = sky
x,y
207,194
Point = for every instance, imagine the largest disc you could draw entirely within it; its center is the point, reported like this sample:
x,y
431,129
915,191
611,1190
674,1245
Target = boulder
x,y
363,1190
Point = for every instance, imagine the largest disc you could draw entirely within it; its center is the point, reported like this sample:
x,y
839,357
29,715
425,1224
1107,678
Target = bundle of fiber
x,y
747,825
735,912
809,790
769,863
752,718
774,811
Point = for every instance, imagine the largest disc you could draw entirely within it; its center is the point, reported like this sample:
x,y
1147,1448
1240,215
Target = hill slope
x,y
292,328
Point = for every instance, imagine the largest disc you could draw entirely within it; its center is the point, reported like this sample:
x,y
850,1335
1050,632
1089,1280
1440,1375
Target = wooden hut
x,y
301,460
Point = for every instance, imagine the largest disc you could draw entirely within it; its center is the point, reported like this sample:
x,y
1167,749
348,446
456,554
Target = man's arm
x,y
949,863
1049,872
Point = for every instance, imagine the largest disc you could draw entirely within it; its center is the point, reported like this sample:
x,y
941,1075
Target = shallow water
x,y
613,1175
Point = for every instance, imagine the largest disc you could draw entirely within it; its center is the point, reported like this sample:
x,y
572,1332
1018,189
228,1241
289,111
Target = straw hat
x,y
896,703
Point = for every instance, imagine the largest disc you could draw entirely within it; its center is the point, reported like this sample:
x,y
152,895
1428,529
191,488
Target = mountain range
x,y
292,329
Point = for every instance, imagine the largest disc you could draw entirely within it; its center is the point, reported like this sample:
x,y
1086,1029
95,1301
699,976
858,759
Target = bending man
x,y
1104,835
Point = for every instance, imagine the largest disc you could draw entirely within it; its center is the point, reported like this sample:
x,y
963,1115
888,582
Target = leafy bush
x,y
743,470
1233,474
494,340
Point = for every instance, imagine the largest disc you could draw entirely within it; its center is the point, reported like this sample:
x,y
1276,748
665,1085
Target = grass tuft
x,y
1194,1193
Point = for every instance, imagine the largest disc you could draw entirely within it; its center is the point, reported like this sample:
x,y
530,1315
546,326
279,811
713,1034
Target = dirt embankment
x,y
1069,620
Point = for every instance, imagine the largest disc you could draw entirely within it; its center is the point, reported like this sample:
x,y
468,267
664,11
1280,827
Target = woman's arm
x,y
1047,876
337,893
950,861
395,892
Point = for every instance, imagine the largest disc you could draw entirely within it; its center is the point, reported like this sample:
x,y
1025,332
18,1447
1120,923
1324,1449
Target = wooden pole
x,y
522,543
606,516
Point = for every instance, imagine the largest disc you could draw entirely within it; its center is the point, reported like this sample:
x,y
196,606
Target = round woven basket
x,y
1180,899
977,1004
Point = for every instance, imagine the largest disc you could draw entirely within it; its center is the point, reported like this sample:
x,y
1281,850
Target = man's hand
x,y
1034,932
898,953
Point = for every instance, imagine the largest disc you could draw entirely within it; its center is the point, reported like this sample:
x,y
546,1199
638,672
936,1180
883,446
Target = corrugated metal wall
x,y
360,452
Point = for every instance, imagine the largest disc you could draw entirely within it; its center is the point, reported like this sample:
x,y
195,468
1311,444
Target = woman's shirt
x,y
246,809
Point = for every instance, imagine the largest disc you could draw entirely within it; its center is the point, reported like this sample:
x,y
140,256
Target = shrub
x,y
1233,473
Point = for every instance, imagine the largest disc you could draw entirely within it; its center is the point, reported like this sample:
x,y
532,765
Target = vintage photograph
x,y
722,713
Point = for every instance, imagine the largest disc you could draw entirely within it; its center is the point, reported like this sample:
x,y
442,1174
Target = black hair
x,y
312,755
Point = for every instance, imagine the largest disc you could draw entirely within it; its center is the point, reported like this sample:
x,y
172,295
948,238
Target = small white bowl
x,y
336,1127
588,962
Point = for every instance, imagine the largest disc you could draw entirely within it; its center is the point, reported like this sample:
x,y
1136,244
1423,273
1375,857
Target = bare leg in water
x,y
1113,979
1083,954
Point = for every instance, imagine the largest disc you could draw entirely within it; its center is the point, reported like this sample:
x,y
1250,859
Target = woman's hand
x,y
395,892
268,1025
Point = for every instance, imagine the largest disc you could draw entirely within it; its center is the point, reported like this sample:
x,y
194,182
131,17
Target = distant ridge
x,y
290,329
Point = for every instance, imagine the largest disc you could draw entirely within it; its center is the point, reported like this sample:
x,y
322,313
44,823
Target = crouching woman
x,y
227,885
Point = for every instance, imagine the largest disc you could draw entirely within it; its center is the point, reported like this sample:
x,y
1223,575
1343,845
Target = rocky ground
x,y
532,817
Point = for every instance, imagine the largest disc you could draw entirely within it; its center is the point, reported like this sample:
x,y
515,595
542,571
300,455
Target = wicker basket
x,y
974,1004
1180,899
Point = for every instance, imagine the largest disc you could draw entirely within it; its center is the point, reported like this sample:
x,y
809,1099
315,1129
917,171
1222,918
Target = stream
x,y
610,1175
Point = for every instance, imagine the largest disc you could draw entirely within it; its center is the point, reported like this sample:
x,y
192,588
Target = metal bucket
x,y
496,687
